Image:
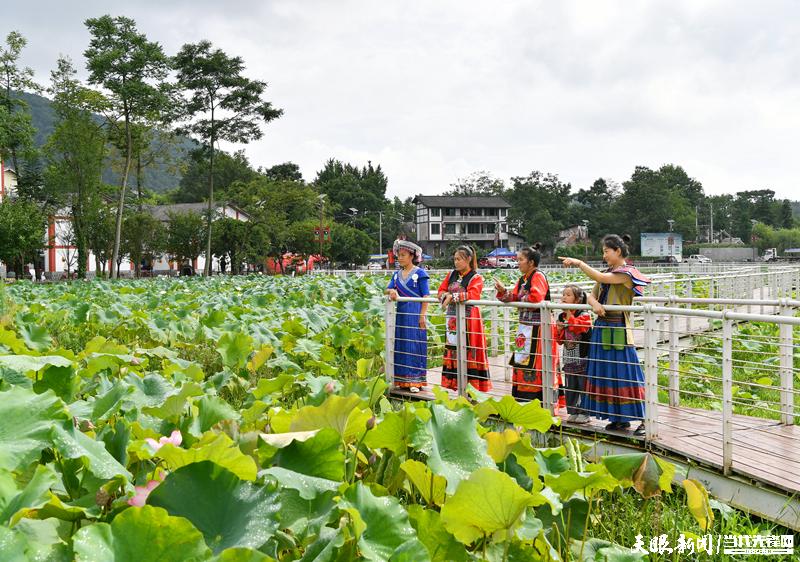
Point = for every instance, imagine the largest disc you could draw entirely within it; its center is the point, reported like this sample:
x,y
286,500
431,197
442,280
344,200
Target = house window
x,y
450,228
449,212
504,227
435,229
490,212
436,211
503,212
473,228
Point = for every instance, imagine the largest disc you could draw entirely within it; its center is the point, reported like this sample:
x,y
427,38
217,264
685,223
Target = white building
x,y
479,221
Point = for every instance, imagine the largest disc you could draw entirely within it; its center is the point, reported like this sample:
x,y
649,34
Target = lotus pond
x,y
246,418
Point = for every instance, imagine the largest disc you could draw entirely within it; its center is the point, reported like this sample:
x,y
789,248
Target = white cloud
x,y
435,90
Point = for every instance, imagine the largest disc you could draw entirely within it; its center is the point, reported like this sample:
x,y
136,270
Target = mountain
x,y
159,177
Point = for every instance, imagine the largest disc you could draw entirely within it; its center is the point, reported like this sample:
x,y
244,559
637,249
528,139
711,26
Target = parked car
x,y
667,260
374,266
507,263
697,258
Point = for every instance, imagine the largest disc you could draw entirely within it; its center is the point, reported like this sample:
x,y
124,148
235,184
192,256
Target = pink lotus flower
x,y
140,497
175,438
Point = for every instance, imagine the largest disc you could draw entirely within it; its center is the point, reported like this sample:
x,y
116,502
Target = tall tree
x,y
22,223
144,238
596,205
288,171
76,151
222,105
184,240
480,183
132,70
228,168
16,130
540,206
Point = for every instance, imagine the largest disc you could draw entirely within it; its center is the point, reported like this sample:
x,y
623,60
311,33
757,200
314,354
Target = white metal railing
x,y
668,355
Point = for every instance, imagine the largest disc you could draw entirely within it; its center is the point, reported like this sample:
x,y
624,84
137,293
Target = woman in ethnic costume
x,y
528,357
615,381
462,284
410,334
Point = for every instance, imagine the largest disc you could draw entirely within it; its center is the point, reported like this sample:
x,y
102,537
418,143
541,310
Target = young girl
x,y
410,334
527,359
462,284
615,381
574,333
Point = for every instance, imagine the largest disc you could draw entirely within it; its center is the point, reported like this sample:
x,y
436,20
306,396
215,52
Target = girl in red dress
x,y
463,284
527,359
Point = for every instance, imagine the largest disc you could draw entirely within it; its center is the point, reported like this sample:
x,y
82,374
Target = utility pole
x,y
380,232
711,228
321,211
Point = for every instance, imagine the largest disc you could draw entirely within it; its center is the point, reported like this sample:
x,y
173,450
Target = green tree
x,y
16,130
22,223
76,151
228,169
288,171
349,245
540,206
222,105
184,240
239,241
144,238
132,70
597,206
480,183
100,228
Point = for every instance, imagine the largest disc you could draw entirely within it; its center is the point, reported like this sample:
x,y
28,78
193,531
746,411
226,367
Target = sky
x,y
435,90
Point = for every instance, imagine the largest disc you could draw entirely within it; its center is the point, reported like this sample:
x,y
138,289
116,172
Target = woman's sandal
x,y
413,389
639,431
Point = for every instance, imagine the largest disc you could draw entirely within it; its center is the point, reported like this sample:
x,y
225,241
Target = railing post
x,y
761,289
786,352
461,348
650,375
750,289
389,320
674,365
727,394
548,376
506,344
689,294
494,330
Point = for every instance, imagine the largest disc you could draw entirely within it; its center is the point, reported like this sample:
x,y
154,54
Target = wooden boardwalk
x,y
763,450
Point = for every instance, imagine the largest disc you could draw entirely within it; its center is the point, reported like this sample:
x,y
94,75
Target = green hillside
x,y
160,177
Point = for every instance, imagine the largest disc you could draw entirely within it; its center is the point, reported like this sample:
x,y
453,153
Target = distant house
x,y
480,221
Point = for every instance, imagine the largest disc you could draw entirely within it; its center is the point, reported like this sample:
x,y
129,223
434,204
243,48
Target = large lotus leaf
x,y
309,487
228,511
341,413
571,521
140,532
528,416
210,411
217,448
35,493
381,524
35,336
643,471
305,346
319,456
72,444
398,431
455,449
441,544
39,541
552,461
267,387
26,420
109,403
568,482
148,391
173,407
488,502
500,444
431,486
306,518
28,363
61,380
234,348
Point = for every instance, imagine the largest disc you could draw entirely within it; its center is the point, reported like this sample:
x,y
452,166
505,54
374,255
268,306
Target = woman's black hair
x,y
578,293
472,257
616,242
533,253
